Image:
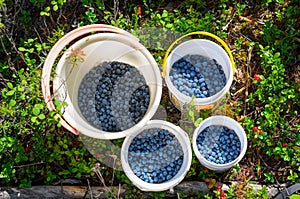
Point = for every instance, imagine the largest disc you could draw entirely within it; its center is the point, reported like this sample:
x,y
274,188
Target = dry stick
x,y
116,9
26,165
229,22
241,18
90,190
119,190
46,26
59,16
249,74
113,175
74,64
38,34
96,169
3,46
240,90
14,46
14,17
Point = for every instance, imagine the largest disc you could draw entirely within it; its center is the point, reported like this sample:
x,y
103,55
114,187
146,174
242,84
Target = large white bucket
x,y
183,140
230,124
99,48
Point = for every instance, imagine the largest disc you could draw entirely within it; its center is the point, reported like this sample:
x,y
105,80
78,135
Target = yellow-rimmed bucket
x,y
205,48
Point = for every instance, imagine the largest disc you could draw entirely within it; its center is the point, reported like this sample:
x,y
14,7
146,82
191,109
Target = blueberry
x,y
193,69
110,83
161,163
222,144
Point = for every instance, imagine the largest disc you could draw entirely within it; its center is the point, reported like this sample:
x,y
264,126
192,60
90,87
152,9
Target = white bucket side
x,y
229,123
183,139
205,48
98,48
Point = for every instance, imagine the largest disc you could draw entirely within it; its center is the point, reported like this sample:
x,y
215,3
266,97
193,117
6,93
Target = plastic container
x,y
229,123
205,48
98,48
183,139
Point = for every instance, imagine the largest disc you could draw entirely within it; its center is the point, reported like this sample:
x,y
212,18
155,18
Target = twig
x,y
3,46
240,90
96,169
114,164
248,72
90,190
116,9
14,46
27,165
119,190
245,37
229,22
241,18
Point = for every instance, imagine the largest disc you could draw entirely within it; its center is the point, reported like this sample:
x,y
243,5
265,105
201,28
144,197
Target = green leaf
x,y
164,14
73,170
10,93
39,106
42,116
276,55
295,196
35,111
192,115
21,88
65,172
47,9
169,25
10,85
55,7
198,121
12,102
33,119
22,49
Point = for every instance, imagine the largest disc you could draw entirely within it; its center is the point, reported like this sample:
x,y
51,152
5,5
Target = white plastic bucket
x,y
221,121
98,48
208,49
182,138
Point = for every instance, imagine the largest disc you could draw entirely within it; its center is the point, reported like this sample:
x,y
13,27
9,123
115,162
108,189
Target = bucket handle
x,y
198,33
54,53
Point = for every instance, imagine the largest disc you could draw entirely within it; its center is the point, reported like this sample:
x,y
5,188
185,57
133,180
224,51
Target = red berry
x,y
257,77
284,144
255,128
98,155
139,12
223,195
260,131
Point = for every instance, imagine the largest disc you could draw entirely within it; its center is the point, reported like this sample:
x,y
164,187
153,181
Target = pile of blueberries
x,y
196,75
155,155
113,96
218,144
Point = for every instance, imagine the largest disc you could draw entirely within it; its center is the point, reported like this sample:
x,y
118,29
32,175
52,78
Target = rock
x,y
4,195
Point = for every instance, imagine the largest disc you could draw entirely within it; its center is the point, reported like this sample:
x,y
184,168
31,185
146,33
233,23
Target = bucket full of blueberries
x,y
219,143
113,90
199,68
157,157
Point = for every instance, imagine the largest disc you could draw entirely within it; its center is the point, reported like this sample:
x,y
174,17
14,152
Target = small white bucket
x,y
220,121
99,48
210,50
182,138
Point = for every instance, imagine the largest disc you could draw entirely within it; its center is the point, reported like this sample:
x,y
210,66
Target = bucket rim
x,y
89,130
201,101
183,139
242,138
